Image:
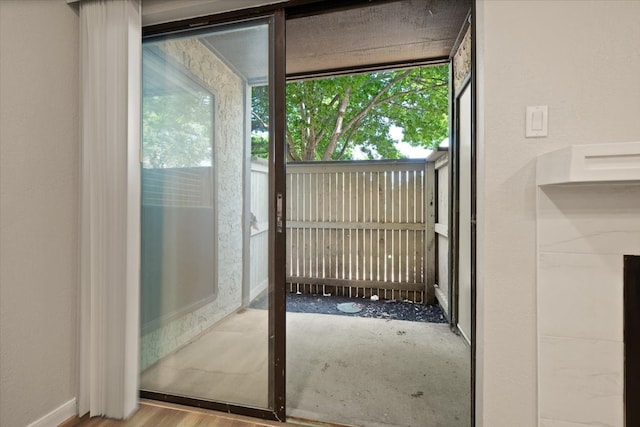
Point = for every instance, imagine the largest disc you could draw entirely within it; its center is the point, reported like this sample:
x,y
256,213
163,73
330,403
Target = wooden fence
x,y
259,228
353,228
358,228
441,175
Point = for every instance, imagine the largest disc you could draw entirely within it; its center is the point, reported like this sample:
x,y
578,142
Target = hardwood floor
x,y
153,414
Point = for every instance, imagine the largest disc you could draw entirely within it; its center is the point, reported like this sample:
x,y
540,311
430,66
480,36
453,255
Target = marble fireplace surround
x,y
588,218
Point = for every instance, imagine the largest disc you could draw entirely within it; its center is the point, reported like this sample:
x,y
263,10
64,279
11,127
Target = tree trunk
x,y
337,130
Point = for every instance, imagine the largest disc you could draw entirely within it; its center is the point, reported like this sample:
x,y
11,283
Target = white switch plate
x,y
537,121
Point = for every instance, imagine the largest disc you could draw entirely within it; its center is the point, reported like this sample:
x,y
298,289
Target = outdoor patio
x,y
340,369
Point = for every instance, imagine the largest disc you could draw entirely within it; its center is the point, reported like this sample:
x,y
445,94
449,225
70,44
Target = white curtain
x,y
110,37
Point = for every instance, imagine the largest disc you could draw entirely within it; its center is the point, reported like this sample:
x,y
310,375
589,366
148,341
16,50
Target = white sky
x,y
404,147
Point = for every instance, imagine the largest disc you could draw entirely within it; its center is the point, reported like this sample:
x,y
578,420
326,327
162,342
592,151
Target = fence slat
x,y
357,227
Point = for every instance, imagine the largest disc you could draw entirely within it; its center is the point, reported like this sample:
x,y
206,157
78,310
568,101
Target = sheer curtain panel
x,y
110,207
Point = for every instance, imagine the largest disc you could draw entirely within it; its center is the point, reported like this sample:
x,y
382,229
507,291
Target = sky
x,y
405,148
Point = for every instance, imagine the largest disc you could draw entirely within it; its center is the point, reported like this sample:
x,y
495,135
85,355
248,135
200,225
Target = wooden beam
x,y
355,166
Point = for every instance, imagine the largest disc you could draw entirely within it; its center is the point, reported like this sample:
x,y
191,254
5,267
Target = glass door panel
x,y
205,284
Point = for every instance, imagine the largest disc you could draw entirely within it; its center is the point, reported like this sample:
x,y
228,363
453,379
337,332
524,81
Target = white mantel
x,y
588,218
590,163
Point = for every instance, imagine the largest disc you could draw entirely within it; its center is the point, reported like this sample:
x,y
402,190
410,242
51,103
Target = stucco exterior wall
x,y
229,94
462,61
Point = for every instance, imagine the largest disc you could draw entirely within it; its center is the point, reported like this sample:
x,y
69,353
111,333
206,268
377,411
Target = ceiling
x,y
394,32
245,49
391,32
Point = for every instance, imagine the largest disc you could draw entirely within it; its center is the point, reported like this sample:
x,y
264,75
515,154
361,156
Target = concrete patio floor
x,y
340,369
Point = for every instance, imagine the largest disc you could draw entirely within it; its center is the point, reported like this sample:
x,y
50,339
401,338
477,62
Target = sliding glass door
x,y
210,212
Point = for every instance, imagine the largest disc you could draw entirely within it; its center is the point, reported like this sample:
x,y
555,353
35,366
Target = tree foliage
x,y
177,129
328,118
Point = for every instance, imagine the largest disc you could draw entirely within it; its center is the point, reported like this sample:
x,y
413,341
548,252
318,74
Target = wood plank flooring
x,y
153,414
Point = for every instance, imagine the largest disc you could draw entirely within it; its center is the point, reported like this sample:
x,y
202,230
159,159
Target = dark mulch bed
x,y
382,309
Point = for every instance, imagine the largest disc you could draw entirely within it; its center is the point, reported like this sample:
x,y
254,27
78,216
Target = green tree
x,y
328,118
177,129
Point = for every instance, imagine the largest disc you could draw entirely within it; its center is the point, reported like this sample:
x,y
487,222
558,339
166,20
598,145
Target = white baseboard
x,y
57,416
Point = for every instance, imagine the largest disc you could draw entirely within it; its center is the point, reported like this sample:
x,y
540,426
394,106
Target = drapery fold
x,y
110,37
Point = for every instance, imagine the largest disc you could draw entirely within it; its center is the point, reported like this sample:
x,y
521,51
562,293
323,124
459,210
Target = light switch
x,y
536,121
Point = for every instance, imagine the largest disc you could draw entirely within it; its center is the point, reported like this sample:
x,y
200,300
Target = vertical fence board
x,y
356,222
430,235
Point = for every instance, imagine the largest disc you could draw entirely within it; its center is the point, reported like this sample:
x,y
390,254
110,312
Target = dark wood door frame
x,y
454,199
277,220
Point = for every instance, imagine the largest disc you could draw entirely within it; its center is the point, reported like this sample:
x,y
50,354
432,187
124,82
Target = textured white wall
x,y
39,154
582,59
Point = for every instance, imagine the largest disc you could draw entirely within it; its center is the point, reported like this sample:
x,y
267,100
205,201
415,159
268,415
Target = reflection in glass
x,y
204,301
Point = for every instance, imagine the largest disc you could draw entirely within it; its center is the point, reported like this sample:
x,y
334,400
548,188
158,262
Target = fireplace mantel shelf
x,y
590,163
